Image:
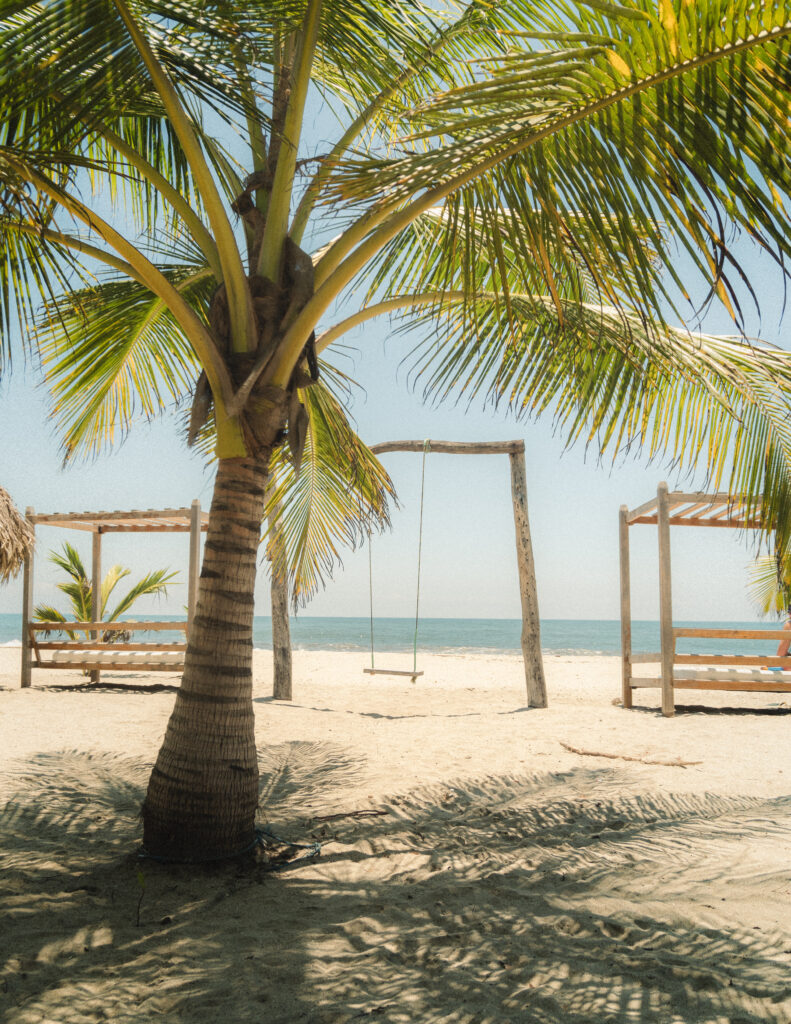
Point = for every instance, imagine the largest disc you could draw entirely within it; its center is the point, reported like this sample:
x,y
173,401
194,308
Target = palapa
x,y
16,538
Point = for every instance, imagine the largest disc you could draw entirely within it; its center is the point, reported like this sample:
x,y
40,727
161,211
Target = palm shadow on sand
x,y
547,898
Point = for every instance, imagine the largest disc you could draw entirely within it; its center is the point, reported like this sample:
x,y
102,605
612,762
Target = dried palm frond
x,y
16,538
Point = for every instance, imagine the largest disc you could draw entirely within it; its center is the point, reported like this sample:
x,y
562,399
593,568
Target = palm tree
x,y
78,588
519,177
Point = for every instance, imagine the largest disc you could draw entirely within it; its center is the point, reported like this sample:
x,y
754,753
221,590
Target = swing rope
x,y
426,450
426,447
371,595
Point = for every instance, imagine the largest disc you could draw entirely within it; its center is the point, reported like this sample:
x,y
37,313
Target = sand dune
x,y
502,877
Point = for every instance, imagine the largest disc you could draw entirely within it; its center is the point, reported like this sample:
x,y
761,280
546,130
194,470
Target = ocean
x,y
457,636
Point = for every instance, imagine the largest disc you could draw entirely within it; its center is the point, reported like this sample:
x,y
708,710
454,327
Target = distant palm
x,y
517,178
79,591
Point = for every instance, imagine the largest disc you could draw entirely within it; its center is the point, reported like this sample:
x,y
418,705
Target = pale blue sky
x,y
469,567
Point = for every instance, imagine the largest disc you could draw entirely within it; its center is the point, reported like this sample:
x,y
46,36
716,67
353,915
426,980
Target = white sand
x,y
509,879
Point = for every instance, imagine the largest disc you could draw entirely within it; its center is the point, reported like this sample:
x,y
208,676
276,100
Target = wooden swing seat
x,y
392,672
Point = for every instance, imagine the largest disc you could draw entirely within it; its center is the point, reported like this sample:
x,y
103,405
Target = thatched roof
x,y
16,538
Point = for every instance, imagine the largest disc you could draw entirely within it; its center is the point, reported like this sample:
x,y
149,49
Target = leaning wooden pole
x,y
282,685
27,607
665,600
626,607
531,628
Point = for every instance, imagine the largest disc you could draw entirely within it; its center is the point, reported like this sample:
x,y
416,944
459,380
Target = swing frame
x,y
535,681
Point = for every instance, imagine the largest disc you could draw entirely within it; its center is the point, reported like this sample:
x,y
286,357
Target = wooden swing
x,y
373,670
531,634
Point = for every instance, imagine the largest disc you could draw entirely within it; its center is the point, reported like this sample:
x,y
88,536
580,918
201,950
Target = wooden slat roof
x,y
151,520
697,509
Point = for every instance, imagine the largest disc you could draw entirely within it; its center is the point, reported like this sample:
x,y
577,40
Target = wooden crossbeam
x,y
752,683
451,447
116,666
733,659
733,634
726,524
111,627
97,645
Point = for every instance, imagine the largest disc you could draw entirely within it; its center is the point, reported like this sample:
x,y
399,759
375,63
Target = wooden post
x,y
626,608
193,572
27,610
96,591
282,688
665,600
531,630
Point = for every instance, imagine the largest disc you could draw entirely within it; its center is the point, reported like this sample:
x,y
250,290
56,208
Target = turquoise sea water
x,y
558,636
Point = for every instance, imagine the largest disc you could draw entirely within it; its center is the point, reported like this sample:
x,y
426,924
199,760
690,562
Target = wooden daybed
x,y
735,672
93,652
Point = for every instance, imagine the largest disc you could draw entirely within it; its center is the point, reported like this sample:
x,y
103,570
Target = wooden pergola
x,y
737,672
93,654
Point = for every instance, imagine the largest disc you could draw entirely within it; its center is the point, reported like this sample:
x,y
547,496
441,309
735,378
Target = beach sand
x,y
489,874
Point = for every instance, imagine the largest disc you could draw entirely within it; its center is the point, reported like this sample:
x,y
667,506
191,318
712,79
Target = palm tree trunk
x,y
203,791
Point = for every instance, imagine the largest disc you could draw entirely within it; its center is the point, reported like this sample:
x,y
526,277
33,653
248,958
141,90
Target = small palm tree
x,y
79,590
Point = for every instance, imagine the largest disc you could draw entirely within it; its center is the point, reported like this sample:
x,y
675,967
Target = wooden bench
x,y
94,654
746,673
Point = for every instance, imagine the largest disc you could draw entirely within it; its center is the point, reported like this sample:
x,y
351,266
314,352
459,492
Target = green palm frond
x,y
99,71
114,352
30,266
112,578
95,107
631,135
610,380
79,594
341,493
46,613
769,586
155,582
70,562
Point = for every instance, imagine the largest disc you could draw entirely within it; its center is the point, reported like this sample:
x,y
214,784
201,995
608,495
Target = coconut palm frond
x,y
113,352
46,613
617,384
633,135
31,265
340,494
